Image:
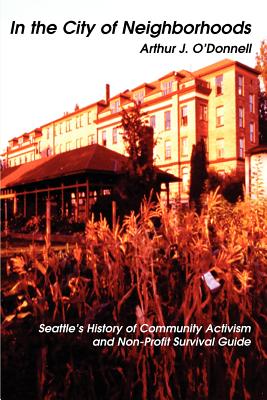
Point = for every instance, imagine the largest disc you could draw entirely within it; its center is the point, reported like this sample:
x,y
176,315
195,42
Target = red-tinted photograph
x,y
133,200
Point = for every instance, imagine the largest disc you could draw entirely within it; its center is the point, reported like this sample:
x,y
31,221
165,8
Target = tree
x,y
140,175
138,142
261,63
263,118
261,66
139,178
198,174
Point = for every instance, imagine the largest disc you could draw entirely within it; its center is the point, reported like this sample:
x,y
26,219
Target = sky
x,y
42,76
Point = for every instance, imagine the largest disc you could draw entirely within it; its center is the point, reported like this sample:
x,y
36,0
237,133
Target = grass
x,y
149,270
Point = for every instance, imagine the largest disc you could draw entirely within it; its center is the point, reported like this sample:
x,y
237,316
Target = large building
x,y
217,103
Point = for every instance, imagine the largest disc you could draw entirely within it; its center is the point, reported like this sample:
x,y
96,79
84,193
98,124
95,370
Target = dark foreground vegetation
x,y
150,270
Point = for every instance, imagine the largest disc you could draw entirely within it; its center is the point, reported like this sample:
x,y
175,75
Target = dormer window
x,y
166,87
115,106
139,97
13,142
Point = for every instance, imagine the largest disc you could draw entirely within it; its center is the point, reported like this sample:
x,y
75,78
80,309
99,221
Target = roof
x,y
223,64
70,114
88,159
262,148
148,85
155,85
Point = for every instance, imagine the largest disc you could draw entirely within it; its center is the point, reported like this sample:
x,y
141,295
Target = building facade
x,y
217,103
256,172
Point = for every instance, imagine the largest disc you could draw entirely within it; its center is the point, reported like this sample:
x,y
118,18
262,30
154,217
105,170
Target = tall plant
x,y
198,174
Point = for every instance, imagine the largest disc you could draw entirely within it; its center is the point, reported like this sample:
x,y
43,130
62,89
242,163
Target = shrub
x,y
231,185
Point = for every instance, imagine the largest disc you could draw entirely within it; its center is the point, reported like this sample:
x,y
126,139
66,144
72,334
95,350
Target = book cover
x,y
133,200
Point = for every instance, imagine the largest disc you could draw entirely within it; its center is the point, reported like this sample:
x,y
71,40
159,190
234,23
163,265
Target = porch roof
x,y
94,159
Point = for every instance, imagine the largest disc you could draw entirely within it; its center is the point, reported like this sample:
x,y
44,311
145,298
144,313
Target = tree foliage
x,y
231,185
263,118
261,63
138,142
140,175
261,66
139,179
198,174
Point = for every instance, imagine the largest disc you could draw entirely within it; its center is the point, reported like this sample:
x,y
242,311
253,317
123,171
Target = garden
x,y
149,271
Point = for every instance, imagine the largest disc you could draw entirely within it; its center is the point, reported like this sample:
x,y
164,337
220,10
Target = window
x,y
184,113
220,148
78,143
241,147
47,133
60,148
104,138
205,140
241,117
89,118
115,135
60,128
67,146
166,87
219,116
139,96
185,179
240,85
115,106
25,159
203,115
251,103
91,139
153,121
168,150
184,146
219,85
167,120
252,132
68,125
48,151
79,121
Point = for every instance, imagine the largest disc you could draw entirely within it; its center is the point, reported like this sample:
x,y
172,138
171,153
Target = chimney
x,y
107,93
